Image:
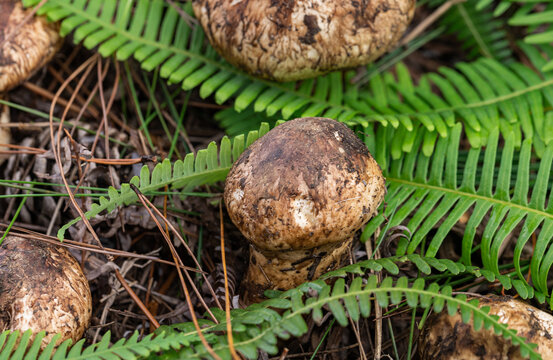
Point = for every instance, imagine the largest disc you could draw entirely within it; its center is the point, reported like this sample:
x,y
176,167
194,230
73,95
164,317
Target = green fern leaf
x,y
480,33
529,14
515,103
421,189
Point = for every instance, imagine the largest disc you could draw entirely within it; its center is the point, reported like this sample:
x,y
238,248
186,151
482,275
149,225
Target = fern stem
x,y
470,25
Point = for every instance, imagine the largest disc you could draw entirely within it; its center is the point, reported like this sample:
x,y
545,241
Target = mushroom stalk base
x,y
283,270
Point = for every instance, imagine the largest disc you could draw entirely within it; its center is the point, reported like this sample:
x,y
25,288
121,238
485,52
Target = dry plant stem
x,y
190,21
105,122
355,327
423,25
90,93
177,260
90,247
284,354
69,104
227,299
84,104
149,206
56,149
377,309
24,149
136,299
97,137
37,126
166,189
175,231
49,96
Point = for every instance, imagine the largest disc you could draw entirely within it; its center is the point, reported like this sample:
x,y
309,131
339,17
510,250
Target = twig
x,y
227,299
421,27
176,259
149,207
136,299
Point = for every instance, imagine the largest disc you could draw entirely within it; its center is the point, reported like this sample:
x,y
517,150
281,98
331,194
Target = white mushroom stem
x,y
5,133
287,269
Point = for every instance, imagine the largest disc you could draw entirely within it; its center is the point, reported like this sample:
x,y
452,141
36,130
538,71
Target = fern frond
x,y
425,264
530,15
424,193
259,327
184,57
480,33
132,348
206,167
515,103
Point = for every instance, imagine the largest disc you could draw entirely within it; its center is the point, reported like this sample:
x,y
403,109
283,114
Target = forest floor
x,y
148,120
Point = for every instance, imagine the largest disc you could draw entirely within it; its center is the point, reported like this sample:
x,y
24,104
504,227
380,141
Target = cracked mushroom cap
x,y
42,287
296,39
306,183
24,46
446,337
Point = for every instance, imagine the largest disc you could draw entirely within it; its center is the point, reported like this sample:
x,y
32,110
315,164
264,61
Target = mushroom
x,y
25,46
447,337
42,288
296,39
5,134
299,194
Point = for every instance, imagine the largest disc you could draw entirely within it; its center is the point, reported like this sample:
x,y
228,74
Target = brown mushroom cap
x,y
24,47
306,183
296,39
42,287
446,337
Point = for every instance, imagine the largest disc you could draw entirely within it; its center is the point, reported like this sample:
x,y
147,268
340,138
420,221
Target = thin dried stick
x,y
227,298
97,137
175,231
137,300
176,259
423,25
355,327
25,233
56,140
143,199
56,149
49,96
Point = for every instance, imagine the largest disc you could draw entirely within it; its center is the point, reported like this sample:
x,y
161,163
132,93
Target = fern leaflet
x,y
425,194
